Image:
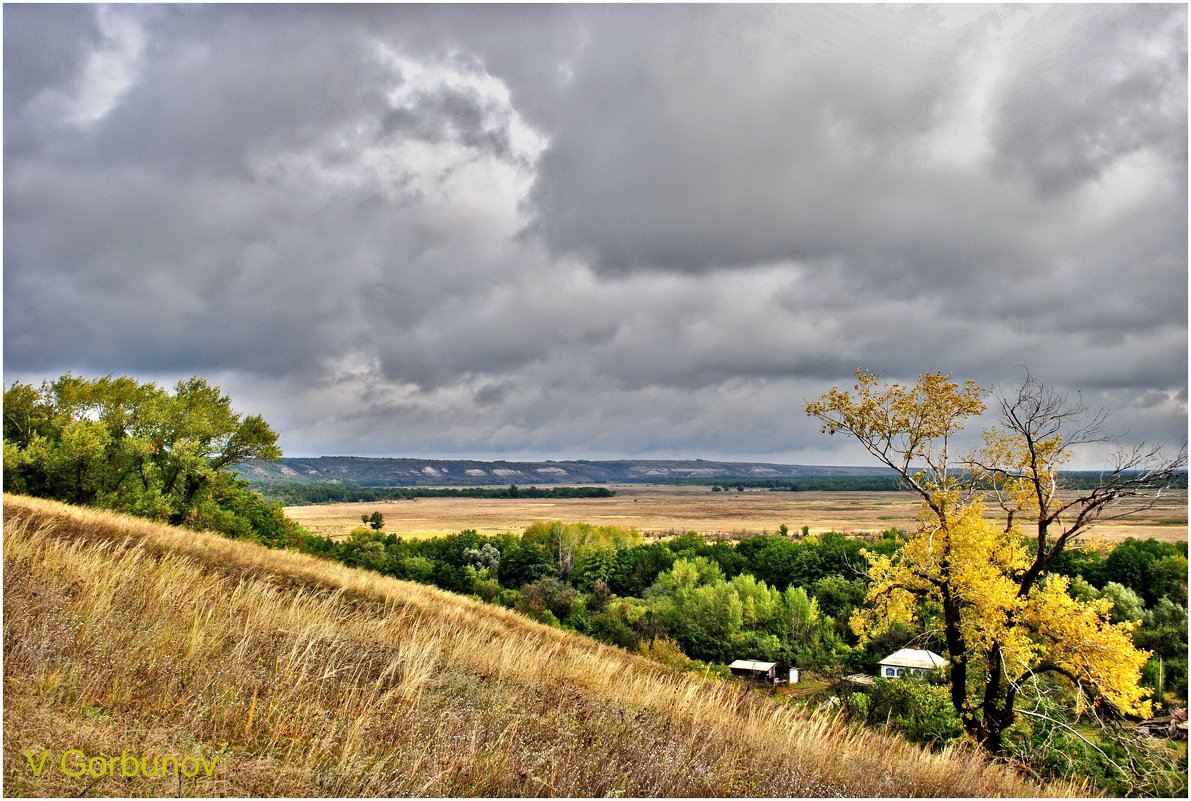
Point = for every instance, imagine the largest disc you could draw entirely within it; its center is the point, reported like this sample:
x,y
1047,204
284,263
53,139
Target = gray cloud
x,y
596,231
1085,91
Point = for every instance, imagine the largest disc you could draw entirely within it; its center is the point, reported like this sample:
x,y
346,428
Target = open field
x,y
302,677
658,509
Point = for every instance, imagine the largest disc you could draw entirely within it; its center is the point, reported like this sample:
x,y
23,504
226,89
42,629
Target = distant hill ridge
x,y
381,472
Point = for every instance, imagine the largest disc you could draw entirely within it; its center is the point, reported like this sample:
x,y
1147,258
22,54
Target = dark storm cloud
x,y
460,115
219,88
784,138
1072,108
585,231
45,48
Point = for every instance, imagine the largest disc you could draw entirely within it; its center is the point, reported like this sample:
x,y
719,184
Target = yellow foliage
x,y
901,420
979,565
1024,477
1079,639
1005,620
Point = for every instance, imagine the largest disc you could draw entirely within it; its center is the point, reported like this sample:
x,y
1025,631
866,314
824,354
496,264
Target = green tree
x,y
919,711
121,444
593,566
1126,604
547,595
637,568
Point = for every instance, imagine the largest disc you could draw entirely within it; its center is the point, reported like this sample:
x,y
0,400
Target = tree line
x,y
301,494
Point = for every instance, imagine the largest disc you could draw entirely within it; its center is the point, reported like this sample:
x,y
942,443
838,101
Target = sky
x,y
531,232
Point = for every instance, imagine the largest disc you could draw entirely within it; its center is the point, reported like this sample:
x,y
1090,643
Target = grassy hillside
x,y
308,678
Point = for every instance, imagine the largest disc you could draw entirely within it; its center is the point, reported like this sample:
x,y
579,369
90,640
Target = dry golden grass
x,y
312,679
659,509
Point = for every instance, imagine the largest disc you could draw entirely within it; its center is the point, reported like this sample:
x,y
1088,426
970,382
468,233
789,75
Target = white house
x,y
910,660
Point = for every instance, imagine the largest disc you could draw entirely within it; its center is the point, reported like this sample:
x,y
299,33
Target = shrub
x,y
547,594
919,711
666,651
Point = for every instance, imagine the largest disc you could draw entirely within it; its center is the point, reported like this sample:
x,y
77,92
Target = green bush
x,y
919,711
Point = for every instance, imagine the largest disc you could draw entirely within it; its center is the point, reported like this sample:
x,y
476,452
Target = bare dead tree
x,y
1046,425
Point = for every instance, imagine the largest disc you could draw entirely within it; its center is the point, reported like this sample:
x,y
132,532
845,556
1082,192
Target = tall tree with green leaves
x,y
121,444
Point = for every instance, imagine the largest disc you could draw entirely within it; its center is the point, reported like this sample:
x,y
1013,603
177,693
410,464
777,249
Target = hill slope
x,y
432,472
305,677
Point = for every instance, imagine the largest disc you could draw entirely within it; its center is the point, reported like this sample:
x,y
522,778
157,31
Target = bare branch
x,y
1087,742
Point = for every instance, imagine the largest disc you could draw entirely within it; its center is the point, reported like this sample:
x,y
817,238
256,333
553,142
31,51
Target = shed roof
x,y
914,658
748,664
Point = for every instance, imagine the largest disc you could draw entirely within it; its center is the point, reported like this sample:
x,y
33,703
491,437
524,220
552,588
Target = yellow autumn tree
x,y
1006,622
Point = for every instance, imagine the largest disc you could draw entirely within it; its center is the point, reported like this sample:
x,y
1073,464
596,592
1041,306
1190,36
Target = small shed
x,y
759,671
859,679
1172,725
909,660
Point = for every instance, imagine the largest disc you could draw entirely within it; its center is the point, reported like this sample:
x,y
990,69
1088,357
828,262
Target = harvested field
x,y
661,510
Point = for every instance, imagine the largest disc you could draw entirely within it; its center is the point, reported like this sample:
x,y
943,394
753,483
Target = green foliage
x,y
685,575
1126,604
115,443
592,566
523,563
230,507
1168,578
485,558
1056,746
415,568
1079,561
565,541
686,545
718,619
637,568
1133,564
1082,590
783,562
838,596
547,594
615,623
1164,633
919,711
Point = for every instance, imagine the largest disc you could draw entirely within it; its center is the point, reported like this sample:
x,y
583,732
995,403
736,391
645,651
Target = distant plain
x,y
660,510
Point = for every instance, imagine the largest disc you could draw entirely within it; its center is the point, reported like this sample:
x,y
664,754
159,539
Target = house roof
x,y
748,664
914,658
